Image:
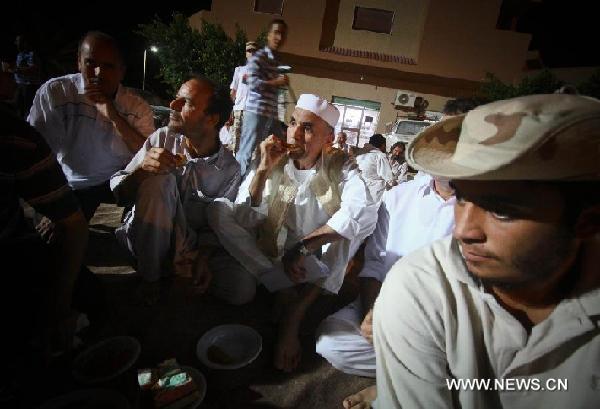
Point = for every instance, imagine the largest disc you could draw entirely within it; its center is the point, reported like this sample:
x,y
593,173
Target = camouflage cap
x,y
537,137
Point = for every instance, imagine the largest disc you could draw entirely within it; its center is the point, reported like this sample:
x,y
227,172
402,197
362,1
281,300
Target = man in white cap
x,y
239,93
504,313
299,217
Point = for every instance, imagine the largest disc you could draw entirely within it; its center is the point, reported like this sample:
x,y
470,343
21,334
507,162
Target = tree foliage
x,y
543,82
183,50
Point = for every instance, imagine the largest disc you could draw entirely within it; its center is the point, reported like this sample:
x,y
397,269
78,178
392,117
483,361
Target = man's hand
x,y
271,151
366,327
281,81
202,274
293,264
159,161
46,229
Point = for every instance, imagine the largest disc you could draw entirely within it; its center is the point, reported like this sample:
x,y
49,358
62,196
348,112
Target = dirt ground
x,y
172,327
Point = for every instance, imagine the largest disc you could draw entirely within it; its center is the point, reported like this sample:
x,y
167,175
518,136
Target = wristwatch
x,y
302,249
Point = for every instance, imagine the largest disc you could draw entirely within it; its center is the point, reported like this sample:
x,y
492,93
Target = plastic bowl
x,y
239,344
106,360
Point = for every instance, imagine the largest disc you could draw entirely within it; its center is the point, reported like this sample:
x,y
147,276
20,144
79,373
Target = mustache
x,y
475,250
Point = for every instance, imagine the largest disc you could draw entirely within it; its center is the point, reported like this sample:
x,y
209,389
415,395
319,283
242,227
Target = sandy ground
x,y
171,329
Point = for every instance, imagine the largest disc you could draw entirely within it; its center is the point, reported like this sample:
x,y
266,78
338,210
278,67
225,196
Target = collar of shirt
x,y
270,53
216,159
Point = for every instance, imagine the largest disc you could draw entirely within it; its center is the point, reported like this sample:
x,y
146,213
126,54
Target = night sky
x,y
563,31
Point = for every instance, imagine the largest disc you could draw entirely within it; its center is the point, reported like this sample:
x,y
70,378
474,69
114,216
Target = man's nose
x,y
468,219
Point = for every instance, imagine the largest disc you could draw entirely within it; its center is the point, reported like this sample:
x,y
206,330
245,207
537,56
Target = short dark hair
x,y
377,140
578,197
460,105
397,144
277,21
219,101
105,38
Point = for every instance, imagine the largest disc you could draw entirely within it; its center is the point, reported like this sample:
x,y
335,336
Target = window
x,y
376,20
269,6
358,119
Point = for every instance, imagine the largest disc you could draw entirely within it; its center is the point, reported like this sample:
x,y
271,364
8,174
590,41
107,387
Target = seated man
x,y
513,297
411,215
39,274
179,170
92,123
340,142
299,217
398,164
374,166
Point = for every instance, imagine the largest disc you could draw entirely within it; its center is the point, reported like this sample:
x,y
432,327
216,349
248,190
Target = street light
x,y
154,49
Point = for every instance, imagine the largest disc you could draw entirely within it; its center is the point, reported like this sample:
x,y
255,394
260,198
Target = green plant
x,y
183,50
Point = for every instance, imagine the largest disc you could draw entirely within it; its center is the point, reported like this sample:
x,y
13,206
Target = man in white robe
x,y
298,219
374,166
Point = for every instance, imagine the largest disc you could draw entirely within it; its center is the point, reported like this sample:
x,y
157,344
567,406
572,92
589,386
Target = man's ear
x,y
588,223
213,120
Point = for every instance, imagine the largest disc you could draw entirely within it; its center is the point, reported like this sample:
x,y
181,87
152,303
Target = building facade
x,y
361,54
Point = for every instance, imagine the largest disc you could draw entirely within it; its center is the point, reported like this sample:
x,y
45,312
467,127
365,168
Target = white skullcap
x,y
320,107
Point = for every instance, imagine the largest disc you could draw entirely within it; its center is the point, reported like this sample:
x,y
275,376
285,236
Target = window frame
x,y
393,15
271,14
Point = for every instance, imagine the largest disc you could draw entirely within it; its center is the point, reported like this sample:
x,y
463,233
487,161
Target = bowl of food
x,y
106,360
230,346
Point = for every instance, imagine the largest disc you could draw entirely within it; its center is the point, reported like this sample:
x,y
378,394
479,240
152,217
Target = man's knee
x,y
241,294
158,186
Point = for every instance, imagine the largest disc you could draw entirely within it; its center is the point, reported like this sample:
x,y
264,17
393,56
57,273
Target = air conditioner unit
x,y
405,99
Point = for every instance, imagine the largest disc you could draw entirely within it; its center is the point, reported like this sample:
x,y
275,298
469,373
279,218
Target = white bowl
x,y
241,343
118,353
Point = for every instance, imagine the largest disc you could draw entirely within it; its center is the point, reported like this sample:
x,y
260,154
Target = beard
x,y
541,262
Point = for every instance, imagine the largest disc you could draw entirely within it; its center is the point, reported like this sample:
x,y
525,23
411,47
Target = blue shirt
x,y
27,59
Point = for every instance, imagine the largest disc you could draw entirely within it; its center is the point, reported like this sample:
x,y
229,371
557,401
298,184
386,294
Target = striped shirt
x,y
87,145
262,98
29,171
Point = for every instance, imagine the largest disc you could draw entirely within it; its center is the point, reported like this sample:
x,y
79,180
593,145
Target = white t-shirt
x,y
241,89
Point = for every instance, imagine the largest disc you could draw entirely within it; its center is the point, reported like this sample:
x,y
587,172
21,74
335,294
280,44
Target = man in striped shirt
x,y
264,80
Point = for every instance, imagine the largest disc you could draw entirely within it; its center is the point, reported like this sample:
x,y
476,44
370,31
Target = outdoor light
x,y
154,49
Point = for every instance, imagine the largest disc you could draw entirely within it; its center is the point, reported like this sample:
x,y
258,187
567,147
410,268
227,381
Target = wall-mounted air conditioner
x,y
405,99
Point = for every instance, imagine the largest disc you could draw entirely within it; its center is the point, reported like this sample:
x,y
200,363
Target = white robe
x,y
411,215
236,226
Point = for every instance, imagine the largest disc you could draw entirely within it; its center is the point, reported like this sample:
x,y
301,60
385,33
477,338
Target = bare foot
x,y
287,348
362,399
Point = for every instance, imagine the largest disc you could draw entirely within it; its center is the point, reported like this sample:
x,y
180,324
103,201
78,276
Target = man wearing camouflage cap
x,y
512,299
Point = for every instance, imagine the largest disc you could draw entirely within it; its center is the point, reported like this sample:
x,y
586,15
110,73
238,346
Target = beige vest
x,y
325,185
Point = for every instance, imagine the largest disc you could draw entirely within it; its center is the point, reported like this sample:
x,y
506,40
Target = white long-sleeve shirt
x,y
375,170
411,216
87,145
354,220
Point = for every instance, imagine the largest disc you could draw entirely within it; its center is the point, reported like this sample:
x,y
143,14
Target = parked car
x,y
160,108
404,130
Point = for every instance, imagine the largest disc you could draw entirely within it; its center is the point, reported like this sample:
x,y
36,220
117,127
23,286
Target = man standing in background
x,y
264,80
239,93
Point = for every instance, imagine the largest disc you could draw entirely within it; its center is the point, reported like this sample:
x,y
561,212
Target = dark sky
x,y
564,31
